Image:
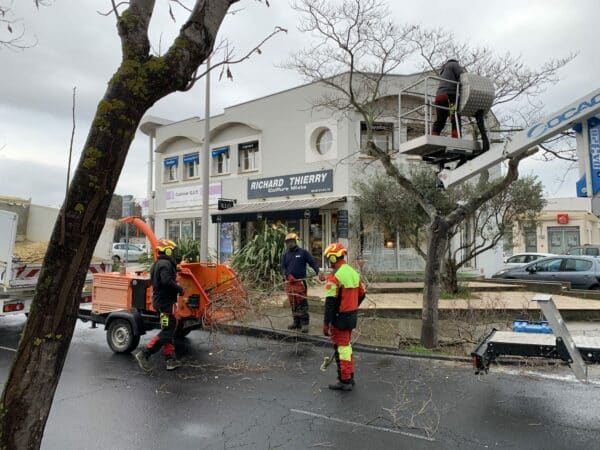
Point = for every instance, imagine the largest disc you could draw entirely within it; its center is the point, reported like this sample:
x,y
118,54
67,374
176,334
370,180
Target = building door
x,y
561,239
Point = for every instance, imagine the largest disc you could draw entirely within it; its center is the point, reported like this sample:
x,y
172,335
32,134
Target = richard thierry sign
x,y
295,184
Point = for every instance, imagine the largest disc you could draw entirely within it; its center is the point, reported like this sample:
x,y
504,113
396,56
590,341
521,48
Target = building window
x,y
530,239
170,169
383,136
183,228
248,156
324,141
220,160
191,165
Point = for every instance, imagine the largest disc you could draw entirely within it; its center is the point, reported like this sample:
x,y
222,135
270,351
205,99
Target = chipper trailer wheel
x,y
120,336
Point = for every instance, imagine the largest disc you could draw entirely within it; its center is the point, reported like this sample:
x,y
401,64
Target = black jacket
x,y
293,262
450,71
164,284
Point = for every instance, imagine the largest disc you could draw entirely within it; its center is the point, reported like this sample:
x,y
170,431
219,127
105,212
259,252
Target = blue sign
x,y
594,139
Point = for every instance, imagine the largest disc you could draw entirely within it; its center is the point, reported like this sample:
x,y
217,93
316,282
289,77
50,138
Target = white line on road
x,y
8,349
364,425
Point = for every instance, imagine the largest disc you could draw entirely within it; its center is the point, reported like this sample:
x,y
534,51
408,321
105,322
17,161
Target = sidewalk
x,y
393,320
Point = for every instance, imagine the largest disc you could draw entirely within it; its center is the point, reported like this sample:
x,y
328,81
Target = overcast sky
x,y
78,47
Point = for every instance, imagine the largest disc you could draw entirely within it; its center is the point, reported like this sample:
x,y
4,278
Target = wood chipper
x,y
123,301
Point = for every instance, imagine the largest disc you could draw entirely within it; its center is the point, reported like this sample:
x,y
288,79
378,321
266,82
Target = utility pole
x,y
205,173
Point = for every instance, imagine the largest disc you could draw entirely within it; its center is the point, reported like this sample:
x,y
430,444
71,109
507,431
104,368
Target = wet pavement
x,y
242,392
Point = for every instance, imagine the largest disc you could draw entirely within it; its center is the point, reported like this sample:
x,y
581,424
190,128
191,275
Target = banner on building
x,y
191,196
594,136
295,184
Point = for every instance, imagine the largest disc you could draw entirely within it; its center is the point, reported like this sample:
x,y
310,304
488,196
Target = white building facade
x,y
279,160
563,223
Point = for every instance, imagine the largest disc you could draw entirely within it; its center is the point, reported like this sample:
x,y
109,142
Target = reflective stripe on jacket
x,y
344,292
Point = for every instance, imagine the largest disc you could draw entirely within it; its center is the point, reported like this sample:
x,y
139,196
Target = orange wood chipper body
x,y
123,301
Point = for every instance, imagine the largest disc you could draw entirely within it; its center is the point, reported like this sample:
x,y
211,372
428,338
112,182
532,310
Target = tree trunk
x,y
139,82
437,234
450,276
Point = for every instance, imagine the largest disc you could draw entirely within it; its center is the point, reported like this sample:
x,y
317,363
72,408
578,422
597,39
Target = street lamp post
x,y
205,173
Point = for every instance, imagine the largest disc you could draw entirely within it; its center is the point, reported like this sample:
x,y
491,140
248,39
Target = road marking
x,y
8,349
363,425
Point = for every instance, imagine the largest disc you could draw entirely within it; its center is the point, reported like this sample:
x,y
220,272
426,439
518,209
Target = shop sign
x,y
190,196
342,224
562,219
594,137
225,203
296,184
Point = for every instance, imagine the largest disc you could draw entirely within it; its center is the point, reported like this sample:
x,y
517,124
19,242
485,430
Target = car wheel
x,y
116,259
120,336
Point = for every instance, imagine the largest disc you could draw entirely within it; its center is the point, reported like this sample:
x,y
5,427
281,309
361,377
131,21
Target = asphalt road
x,y
238,392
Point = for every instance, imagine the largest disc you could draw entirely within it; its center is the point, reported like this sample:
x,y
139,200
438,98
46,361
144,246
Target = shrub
x,y
258,261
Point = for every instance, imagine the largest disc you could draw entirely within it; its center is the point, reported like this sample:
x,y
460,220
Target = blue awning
x,y
168,162
191,158
219,151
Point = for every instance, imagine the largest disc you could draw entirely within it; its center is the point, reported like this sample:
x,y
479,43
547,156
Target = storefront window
x,y
561,239
316,239
173,226
531,240
187,228
389,239
227,239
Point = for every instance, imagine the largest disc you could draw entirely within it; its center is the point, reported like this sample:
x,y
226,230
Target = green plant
x,y
189,249
258,261
146,261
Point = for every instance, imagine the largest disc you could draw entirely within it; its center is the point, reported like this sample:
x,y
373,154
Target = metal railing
x,y
424,113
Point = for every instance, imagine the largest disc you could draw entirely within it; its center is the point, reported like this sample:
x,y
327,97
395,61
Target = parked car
x,y
521,259
133,254
587,249
583,272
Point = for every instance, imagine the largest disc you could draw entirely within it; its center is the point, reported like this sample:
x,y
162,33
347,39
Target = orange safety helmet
x,y
335,252
291,236
166,247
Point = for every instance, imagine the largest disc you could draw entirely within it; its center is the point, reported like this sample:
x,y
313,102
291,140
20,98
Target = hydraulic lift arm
x,y
550,126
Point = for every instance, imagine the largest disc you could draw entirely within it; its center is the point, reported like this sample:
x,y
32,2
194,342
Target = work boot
x,y
143,361
172,364
304,328
294,326
341,386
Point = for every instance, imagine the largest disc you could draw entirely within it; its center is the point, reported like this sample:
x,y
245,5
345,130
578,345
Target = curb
x,y
362,348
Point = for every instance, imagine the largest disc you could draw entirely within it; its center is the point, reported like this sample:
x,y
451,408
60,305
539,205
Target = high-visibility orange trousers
x,y
343,353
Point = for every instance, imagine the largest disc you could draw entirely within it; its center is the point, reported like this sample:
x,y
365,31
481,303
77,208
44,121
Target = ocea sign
x,y
581,109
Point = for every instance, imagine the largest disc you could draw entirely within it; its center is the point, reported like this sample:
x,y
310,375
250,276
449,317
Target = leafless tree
x,y
355,47
140,81
12,29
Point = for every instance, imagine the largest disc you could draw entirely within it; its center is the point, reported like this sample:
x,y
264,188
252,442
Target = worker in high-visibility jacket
x,y
344,293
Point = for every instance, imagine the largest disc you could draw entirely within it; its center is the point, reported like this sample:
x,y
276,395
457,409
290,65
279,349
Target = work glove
x,y
321,276
291,278
326,329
